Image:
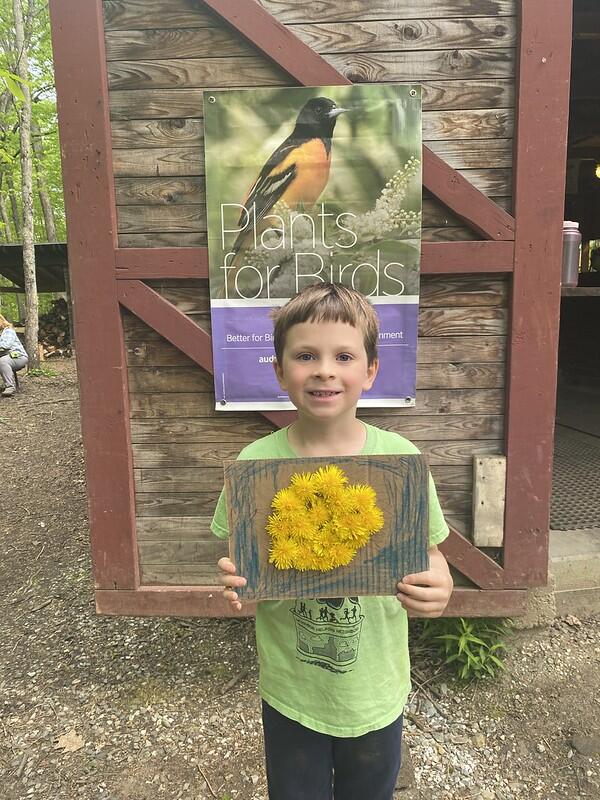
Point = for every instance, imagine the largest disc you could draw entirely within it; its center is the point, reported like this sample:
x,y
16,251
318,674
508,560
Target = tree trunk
x,y
6,231
13,205
31,296
47,211
4,218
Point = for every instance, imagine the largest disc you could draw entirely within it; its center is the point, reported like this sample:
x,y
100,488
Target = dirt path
x,y
138,709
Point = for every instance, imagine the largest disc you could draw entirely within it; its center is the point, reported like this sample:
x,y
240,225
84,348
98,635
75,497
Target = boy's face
x,y
325,368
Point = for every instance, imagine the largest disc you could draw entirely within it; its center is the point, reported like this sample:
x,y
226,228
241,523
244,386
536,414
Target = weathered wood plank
x,y
196,72
438,291
179,575
435,219
381,36
144,380
139,14
241,430
150,504
467,349
189,479
191,218
171,504
159,161
191,378
437,125
429,401
463,348
462,322
436,96
174,528
432,321
189,162
189,190
185,552
251,71
489,497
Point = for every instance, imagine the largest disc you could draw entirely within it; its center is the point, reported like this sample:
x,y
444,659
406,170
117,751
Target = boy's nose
x,y
324,368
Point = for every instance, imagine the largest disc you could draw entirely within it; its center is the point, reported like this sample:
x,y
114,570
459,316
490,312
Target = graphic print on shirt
x,y
328,632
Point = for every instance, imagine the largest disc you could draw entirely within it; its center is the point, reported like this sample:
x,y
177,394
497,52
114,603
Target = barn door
x,y
524,246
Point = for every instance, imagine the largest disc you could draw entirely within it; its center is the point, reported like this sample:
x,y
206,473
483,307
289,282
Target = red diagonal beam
x,y
177,328
306,66
468,559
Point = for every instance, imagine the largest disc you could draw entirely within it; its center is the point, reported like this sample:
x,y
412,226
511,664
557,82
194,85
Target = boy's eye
x,y
304,356
345,357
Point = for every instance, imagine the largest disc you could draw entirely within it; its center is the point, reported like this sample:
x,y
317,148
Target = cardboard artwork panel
x,y
401,485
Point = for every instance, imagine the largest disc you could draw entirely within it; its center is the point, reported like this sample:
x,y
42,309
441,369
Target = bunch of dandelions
x,y
319,521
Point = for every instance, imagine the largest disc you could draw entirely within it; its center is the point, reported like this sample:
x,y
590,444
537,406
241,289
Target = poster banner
x,y
306,185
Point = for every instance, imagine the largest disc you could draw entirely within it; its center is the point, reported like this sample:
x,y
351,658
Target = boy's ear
x,y
279,374
372,371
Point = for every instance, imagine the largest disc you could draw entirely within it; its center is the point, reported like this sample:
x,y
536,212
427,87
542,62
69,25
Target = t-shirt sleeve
x,y
438,527
219,525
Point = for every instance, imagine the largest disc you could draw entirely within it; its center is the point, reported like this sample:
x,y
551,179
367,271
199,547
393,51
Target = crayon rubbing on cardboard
x,y
400,548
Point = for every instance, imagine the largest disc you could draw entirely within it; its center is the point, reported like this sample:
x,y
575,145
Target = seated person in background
x,y
13,356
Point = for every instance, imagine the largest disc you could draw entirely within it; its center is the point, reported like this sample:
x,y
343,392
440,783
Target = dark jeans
x,y
306,765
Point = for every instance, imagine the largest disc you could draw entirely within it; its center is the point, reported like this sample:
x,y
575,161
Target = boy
x,y
333,727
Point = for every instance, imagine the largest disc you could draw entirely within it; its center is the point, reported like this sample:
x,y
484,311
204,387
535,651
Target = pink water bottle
x,y
571,245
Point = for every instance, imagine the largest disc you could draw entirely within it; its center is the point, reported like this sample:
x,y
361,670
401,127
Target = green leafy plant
x,y
41,372
474,648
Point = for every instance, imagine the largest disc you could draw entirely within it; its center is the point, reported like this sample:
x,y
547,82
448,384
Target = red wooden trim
x,y
477,603
474,208
277,42
168,320
80,68
471,562
180,330
306,66
161,262
207,601
437,258
447,258
540,159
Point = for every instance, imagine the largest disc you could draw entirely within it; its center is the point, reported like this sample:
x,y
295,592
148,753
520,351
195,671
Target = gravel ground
x,y
144,709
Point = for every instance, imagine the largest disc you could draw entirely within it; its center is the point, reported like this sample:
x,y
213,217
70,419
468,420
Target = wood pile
x,y
54,335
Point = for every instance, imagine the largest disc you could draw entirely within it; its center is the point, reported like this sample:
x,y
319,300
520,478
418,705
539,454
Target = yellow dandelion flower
x,y
283,553
306,559
330,480
318,513
372,519
305,529
341,554
304,486
285,501
362,494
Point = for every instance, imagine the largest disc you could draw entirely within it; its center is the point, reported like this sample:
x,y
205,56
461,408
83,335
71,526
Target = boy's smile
x,y
325,369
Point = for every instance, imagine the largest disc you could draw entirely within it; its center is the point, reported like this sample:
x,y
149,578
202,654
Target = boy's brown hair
x,y
327,302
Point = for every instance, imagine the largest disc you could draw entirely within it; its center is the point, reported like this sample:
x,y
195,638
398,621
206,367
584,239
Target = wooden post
x,y
540,161
80,67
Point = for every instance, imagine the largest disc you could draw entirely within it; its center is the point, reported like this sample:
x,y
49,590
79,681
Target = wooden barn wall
x,y
161,54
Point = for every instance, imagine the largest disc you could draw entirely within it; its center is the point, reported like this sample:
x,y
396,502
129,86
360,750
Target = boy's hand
x,y
426,594
231,581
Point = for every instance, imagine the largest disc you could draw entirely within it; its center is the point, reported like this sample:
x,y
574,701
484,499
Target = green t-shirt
x,y
337,666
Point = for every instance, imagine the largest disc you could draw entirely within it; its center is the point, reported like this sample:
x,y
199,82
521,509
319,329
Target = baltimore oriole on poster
x,y
296,172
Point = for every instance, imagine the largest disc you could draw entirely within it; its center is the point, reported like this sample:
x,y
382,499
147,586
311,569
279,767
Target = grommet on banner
x,y
212,99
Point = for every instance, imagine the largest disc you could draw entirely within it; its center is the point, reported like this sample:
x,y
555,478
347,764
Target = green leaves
x,y
12,82
473,646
